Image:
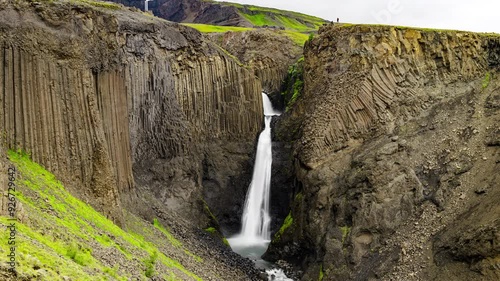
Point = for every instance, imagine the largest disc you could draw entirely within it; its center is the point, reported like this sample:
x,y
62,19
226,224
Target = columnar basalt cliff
x,y
394,142
95,93
266,52
367,70
395,153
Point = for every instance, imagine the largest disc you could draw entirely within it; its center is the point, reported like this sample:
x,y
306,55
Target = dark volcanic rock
x,y
227,173
266,52
394,150
122,99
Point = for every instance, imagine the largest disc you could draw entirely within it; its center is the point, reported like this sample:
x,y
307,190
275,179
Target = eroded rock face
x,y
394,154
370,80
95,94
266,52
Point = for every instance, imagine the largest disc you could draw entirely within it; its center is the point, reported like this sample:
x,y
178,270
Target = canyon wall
x,y
96,93
395,142
266,52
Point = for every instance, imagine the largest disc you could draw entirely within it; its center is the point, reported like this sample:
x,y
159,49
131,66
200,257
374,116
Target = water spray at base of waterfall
x,y
255,236
277,275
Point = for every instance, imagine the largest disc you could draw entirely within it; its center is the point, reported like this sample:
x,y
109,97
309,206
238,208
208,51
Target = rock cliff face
x,y
395,154
268,54
95,93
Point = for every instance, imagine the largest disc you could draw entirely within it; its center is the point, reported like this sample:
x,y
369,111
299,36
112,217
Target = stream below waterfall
x,y
255,236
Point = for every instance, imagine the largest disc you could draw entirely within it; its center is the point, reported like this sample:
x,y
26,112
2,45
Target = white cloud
x,y
480,15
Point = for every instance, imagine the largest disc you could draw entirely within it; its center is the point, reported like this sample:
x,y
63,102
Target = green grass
x,y
99,4
260,16
287,21
170,237
78,254
293,24
104,240
207,28
297,37
311,36
259,20
150,264
59,232
176,243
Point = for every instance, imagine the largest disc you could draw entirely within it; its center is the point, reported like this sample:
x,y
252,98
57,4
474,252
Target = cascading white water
x,y
255,236
256,218
268,108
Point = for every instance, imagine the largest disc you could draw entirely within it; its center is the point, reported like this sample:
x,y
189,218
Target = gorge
x,y
253,239
385,158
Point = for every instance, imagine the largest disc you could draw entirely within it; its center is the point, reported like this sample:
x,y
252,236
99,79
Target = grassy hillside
x,y
295,25
60,237
207,28
260,16
297,37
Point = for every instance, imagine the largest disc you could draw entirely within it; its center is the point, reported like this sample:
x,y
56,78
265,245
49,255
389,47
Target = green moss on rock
x,y
345,232
486,80
287,223
321,273
211,230
294,83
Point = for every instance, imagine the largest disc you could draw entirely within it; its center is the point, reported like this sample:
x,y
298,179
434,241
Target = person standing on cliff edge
x,y
337,20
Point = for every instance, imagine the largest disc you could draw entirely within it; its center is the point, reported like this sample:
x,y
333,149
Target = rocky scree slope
x,y
59,237
396,156
128,110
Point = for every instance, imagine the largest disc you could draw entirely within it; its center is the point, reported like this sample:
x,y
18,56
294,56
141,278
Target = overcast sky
x,y
478,15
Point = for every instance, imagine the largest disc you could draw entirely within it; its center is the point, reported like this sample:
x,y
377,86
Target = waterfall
x,y
254,237
256,218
